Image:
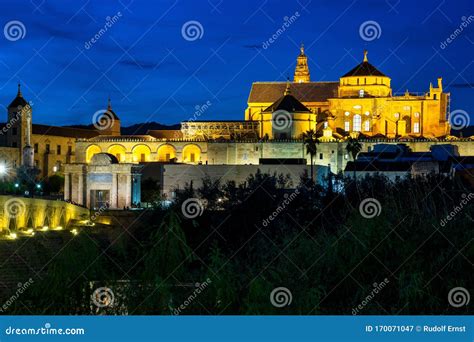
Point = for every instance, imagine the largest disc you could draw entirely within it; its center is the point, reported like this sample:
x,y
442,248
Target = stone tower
x,y
19,127
301,70
109,122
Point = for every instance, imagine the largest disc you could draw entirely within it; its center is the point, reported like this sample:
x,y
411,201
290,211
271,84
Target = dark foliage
x,y
253,237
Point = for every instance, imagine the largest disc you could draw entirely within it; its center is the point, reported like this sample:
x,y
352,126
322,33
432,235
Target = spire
x,y
109,104
287,90
301,70
19,90
365,56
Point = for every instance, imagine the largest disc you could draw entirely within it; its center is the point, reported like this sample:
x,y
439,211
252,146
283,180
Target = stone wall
x,y
249,153
23,213
175,176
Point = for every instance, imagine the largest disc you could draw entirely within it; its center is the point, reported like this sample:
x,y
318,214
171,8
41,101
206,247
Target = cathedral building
x,y
361,103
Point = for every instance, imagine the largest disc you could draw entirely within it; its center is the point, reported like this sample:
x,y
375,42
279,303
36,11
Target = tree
x,y
168,250
150,191
54,184
310,141
27,177
353,147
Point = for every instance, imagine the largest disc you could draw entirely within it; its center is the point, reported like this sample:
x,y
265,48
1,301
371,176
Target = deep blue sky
x,y
153,74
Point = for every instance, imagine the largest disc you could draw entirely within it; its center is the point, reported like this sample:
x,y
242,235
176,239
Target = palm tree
x,y
353,147
310,141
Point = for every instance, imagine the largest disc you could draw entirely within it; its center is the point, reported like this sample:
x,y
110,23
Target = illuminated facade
x,y
51,146
361,102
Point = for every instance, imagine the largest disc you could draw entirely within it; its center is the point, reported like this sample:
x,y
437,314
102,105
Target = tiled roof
x,y
165,133
64,131
18,101
269,92
140,137
364,69
288,103
378,166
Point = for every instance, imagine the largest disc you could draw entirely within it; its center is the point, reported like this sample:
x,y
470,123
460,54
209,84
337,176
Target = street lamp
x,y
3,169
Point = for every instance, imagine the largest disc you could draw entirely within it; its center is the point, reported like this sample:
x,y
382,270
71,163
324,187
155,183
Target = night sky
x,y
152,73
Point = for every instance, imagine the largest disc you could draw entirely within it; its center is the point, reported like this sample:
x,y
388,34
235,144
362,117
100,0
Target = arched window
x,y
347,126
407,120
366,125
361,93
416,127
357,123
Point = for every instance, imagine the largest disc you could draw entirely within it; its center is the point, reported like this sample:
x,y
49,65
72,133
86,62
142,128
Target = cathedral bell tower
x,y
301,70
19,128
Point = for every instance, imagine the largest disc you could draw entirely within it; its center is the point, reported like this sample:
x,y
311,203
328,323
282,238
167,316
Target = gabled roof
x,y
288,103
71,132
269,92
